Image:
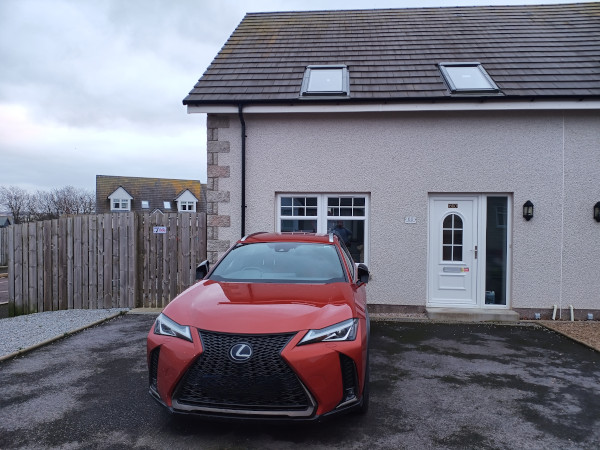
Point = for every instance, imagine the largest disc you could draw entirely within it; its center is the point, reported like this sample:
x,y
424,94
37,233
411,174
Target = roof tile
x,y
534,50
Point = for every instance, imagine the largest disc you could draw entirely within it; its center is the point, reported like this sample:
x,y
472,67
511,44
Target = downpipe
x,y
554,312
243,180
572,313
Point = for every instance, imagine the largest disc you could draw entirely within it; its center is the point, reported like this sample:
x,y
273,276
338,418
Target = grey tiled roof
x,y
154,190
529,51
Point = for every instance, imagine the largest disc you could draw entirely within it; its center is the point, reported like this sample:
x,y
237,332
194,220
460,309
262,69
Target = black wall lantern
x,y
528,210
597,212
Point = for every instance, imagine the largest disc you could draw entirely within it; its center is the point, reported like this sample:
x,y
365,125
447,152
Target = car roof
x,y
287,237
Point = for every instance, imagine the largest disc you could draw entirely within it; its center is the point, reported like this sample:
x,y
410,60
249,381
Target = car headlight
x,y
168,327
343,331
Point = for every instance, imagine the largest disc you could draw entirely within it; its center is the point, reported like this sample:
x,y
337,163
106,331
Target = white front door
x,y
453,251
469,251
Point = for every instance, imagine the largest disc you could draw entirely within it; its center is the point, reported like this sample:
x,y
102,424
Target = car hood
x,y
262,308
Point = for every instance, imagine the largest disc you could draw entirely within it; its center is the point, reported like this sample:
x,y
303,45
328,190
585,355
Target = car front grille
x,y
153,372
349,379
264,384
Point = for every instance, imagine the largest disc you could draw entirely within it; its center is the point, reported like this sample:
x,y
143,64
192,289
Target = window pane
x,y
359,212
345,211
352,233
299,201
447,222
447,239
496,251
311,211
286,211
468,78
286,201
458,223
325,80
359,201
447,253
344,201
289,226
333,211
333,201
458,237
457,253
311,201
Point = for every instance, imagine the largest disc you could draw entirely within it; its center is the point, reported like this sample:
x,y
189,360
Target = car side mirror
x,y
202,270
362,273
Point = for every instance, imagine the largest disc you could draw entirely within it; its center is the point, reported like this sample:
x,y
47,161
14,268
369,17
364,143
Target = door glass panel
x,y
496,251
452,238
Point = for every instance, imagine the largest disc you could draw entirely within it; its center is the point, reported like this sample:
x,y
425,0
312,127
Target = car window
x,y
281,262
349,260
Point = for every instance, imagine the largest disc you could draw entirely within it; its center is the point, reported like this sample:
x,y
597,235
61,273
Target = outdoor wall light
x,y
528,210
597,212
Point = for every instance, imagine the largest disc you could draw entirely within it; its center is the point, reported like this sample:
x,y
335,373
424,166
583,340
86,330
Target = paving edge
x,y
62,336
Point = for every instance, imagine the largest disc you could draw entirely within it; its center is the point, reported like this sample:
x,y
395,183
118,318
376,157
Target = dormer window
x,y
186,202
467,78
120,204
120,200
187,206
326,81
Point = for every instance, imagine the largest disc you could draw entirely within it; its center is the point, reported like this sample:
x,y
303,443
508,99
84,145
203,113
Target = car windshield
x,y
281,262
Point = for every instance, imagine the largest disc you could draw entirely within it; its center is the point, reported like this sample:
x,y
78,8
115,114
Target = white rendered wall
x,y
399,158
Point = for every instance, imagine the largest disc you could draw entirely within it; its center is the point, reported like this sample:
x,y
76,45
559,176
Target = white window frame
x,y
124,204
185,206
322,218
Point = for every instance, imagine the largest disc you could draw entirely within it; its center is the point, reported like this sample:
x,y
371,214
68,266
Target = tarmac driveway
x,y
433,386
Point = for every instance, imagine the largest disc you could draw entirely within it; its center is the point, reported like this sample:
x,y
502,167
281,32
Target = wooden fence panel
x,y
4,246
103,261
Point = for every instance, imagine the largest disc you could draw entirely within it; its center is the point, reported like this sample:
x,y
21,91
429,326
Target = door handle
x,y
475,252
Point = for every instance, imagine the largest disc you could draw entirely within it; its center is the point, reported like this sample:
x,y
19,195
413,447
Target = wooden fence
x,y
3,246
123,260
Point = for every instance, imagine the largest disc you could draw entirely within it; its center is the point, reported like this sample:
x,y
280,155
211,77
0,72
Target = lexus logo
x,y
240,352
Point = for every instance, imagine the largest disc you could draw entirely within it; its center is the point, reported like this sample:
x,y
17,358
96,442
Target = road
x,y
437,386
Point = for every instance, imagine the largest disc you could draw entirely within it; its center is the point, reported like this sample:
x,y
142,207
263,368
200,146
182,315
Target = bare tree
x,y
44,205
17,200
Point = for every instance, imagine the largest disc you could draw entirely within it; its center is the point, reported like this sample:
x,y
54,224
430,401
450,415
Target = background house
x,y
138,194
424,133
5,221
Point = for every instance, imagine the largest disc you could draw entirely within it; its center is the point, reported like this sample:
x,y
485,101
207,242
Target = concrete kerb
x,y
54,339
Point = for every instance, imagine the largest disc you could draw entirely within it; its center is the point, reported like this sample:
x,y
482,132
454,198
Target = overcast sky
x,y
95,87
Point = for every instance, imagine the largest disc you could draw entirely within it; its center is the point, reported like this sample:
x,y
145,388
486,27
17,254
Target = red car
x,y
277,329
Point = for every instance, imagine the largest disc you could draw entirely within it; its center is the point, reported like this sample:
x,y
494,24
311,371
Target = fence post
x,y
11,271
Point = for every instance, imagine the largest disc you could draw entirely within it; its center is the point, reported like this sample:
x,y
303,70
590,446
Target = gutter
x,y
243,181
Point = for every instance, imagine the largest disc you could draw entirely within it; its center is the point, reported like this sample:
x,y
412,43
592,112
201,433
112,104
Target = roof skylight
x,y
325,80
468,78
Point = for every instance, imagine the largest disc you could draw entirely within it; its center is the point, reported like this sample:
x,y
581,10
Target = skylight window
x,y
326,80
468,78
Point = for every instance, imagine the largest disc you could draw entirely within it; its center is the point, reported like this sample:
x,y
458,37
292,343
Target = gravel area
x,y
23,332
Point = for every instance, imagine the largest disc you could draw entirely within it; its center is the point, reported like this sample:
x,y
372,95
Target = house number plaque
x,y
452,205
